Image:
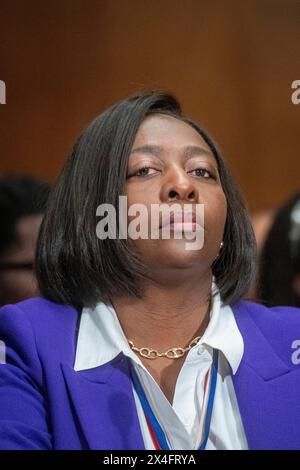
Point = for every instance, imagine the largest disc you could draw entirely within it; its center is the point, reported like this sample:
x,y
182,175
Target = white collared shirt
x,y
101,339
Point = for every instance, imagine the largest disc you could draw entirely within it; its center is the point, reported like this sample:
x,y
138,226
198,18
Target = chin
x,y
171,253
174,252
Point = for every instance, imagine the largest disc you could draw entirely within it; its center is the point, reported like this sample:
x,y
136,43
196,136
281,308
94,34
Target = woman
x,y
140,342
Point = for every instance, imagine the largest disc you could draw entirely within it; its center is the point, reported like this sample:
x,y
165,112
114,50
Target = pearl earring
x,y
221,244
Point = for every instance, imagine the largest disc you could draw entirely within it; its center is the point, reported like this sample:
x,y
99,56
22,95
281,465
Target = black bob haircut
x,y
73,266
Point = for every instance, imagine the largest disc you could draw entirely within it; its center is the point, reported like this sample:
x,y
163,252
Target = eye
x,y
145,171
203,172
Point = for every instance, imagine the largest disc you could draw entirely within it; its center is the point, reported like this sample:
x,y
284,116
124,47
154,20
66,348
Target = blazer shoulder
x,y
37,308
279,326
50,327
285,315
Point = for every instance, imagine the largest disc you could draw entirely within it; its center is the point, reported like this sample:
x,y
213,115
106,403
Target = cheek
x,y
141,196
215,213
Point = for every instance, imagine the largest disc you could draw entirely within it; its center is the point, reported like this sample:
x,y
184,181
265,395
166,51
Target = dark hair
x,y
280,257
75,267
19,196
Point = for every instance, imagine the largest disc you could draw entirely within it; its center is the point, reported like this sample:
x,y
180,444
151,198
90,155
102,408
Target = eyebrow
x,y
189,151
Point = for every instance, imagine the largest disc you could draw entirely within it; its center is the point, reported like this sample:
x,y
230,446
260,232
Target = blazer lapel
x,y
104,403
267,391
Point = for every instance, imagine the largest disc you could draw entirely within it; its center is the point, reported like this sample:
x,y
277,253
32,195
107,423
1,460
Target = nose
x,y
179,186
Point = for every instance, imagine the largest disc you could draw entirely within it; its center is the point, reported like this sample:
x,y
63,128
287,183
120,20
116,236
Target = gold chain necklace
x,y
172,353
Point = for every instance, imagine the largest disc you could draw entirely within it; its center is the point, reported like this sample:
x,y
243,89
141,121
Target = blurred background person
x,y
279,276
22,203
261,222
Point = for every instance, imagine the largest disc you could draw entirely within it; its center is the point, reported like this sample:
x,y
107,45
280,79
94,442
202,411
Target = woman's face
x,y
171,163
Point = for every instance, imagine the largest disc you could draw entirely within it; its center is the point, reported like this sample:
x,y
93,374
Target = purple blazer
x,y
45,404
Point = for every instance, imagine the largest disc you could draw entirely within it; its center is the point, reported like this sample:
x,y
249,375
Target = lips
x,y
182,220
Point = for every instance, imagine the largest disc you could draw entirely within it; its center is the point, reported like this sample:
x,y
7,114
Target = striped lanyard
x,y
157,434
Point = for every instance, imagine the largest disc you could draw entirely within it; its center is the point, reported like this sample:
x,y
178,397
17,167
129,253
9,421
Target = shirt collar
x,y
101,337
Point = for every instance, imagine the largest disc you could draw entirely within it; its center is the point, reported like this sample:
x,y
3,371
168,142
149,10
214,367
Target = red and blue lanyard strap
x,y
156,431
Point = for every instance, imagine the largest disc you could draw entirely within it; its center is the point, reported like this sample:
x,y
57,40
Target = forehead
x,y
167,131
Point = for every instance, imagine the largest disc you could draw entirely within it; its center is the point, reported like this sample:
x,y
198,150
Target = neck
x,y
167,315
